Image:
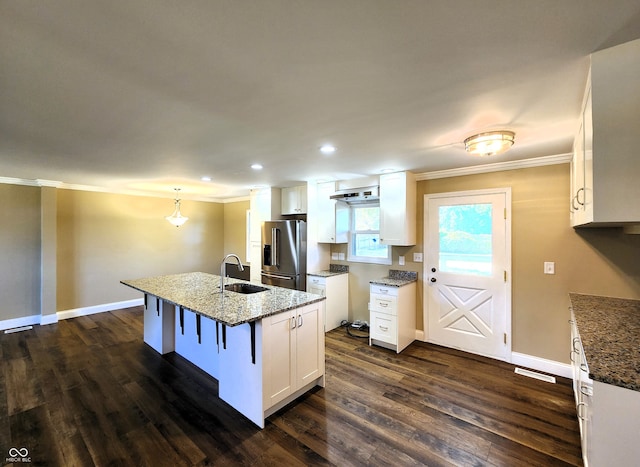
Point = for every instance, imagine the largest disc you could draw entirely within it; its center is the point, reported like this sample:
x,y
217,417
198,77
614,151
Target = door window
x,y
465,239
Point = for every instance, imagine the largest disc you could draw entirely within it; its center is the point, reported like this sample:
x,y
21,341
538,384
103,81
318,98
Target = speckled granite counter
x,y
397,278
200,292
334,270
610,334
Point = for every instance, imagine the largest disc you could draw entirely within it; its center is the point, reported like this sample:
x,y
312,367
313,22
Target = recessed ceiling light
x,y
206,178
256,166
327,149
387,171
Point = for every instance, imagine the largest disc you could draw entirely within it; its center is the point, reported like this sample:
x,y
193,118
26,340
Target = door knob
x,y
433,279
433,269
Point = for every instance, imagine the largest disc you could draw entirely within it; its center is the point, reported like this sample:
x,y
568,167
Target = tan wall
x,y
19,251
598,261
595,261
235,229
104,238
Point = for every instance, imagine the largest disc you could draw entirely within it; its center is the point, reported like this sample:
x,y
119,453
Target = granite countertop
x,y
397,278
200,292
610,333
334,270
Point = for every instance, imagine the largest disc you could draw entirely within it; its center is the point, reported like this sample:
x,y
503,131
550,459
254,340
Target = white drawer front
x,y
383,290
383,328
384,304
315,280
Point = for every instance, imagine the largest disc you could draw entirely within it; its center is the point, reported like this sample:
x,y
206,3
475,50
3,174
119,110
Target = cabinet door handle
x,y
578,196
580,416
571,355
293,322
383,328
300,321
573,204
583,367
576,340
586,390
384,304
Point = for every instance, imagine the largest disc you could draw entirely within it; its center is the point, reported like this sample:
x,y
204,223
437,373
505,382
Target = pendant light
x,y
490,143
176,218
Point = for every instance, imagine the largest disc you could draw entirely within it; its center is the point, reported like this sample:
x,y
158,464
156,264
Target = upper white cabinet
x,y
294,200
398,209
333,217
605,165
264,205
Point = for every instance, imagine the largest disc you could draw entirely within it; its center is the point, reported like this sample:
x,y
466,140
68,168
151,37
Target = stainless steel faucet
x,y
223,269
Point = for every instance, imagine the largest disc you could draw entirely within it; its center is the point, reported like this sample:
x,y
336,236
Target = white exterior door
x,y
467,271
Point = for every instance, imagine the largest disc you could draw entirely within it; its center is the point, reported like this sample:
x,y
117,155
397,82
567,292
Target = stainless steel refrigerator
x,y
284,254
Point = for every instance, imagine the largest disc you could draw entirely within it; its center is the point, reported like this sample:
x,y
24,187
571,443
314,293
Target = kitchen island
x,y
265,347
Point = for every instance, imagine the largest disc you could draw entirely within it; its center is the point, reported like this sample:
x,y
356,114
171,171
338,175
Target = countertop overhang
x,y
200,292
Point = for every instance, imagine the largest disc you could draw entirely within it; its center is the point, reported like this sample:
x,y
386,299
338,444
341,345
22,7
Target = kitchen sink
x,y
244,288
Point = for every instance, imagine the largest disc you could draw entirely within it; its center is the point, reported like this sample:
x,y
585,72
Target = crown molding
x,y
496,167
96,189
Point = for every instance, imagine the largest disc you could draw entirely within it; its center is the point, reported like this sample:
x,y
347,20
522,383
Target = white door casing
x,y
469,310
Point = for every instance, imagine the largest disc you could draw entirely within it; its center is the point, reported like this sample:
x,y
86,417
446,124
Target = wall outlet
x,y
417,257
549,267
341,256
401,260
334,256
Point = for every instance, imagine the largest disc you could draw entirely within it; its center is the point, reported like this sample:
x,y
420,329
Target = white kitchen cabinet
x,y
605,165
336,290
607,414
294,200
294,342
333,217
265,205
392,316
398,209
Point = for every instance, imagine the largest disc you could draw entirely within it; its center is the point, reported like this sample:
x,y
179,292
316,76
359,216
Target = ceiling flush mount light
x,y
176,218
256,166
490,143
327,149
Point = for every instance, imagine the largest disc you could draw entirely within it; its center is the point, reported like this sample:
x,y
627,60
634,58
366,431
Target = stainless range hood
x,y
369,194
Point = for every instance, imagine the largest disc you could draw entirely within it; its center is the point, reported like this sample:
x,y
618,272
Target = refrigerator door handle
x,y
274,247
276,276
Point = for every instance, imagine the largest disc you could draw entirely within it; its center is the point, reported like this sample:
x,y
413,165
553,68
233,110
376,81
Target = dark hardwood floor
x,y
88,391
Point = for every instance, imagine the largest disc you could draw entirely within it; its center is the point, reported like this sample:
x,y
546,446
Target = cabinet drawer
x,y
316,280
383,328
383,290
384,304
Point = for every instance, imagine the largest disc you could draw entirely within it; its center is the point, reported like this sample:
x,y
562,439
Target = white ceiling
x,y
150,94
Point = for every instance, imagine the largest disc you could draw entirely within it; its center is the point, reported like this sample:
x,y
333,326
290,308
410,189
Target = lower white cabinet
x,y
392,316
336,290
607,414
294,342
287,361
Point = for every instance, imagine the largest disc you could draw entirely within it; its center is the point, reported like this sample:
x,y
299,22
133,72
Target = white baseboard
x,y
49,319
541,364
90,310
66,314
19,322
528,361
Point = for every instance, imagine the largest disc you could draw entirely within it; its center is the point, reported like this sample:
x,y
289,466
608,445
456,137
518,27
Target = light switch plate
x,y
417,257
334,256
549,267
341,256
401,260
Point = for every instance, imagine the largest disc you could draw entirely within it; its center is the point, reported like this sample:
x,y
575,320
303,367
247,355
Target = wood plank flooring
x,y
88,391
